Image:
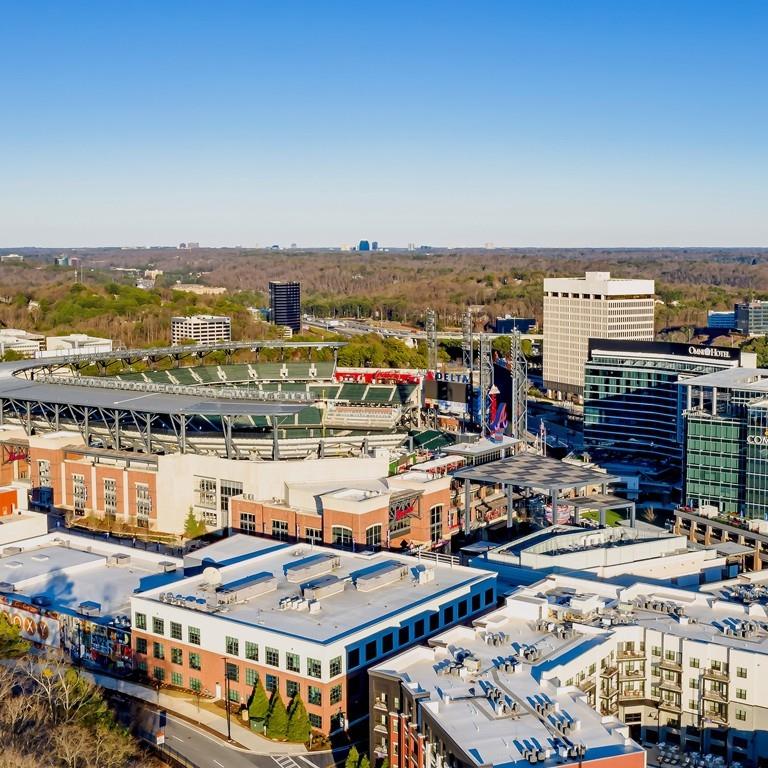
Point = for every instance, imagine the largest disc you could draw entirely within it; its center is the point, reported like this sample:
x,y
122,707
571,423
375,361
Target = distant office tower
x,y
285,304
364,246
752,317
375,245
202,329
725,320
577,309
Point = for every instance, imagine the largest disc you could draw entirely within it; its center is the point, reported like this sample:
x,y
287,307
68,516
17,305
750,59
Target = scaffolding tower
x,y
431,329
518,368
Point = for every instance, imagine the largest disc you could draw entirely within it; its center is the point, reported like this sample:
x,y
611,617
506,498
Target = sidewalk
x,y
187,709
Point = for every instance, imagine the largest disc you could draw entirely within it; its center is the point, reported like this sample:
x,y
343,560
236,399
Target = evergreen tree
x,y
258,704
299,728
192,526
12,644
277,717
364,762
353,758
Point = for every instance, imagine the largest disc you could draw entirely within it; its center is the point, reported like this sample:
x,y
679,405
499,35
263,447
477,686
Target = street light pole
x,y
226,703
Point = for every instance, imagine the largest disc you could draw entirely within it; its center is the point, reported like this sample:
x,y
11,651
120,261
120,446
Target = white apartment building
x,y
596,306
22,342
203,329
678,666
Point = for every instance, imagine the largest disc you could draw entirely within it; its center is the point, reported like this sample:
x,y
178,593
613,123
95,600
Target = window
x,y
436,523
291,688
177,679
176,630
232,646
475,603
229,488
418,627
373,536
448,614
79,493
251,676
272,656
335,694
158,673
340,534
270,683
292,662
177,656
193,635
693,704
194,661
462,609
387,642
335,666
195,685
370,650
404,635
143,667
694,662
251,651
316,721
314,695
141,621
110,496
280,529
434,622
206,492
656,651
233,672
158,651
314,668
489,596
353,658
44,472
141,645
143,505
400,527
247,522
741,671
234,695
741,714
158,626
313,534
694,683
741,693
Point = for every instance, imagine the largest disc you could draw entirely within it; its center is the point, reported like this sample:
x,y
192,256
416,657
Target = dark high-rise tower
x,y
285,303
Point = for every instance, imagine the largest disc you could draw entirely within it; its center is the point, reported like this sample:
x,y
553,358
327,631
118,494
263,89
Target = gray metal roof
x,y
529,470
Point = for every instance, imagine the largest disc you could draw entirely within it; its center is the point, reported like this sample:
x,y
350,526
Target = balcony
x,y
671,664
716,674
632,694
716,715
670,705
379,704
628,655
712,694
670,685
587,685
609,709
608,671
632,674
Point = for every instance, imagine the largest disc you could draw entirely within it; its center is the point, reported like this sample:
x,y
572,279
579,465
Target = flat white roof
x,y
69,570
460,702
346,609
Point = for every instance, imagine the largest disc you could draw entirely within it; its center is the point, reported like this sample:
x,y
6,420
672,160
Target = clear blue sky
x,y
453,123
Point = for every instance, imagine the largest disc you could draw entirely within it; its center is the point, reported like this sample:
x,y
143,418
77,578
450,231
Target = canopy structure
x,y
529,472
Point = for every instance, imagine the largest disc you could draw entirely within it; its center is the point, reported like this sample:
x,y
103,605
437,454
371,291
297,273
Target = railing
x,y
716,674
672,664
171,756
226,393
627,654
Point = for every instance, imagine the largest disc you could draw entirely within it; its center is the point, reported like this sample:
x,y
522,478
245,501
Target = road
x,y
207,751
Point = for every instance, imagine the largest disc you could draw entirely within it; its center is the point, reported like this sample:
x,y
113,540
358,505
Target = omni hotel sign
x,y
717,353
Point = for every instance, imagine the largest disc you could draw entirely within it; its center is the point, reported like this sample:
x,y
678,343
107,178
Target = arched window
x,y
436,523
340,534
373,535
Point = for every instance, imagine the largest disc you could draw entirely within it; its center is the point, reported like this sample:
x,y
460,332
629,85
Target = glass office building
x,y
632,401
726,440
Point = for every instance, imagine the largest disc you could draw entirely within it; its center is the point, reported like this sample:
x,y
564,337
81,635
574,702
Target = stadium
x,y
194,399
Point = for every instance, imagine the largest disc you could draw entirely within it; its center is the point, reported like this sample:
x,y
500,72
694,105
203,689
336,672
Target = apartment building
x,y
302,619
202,329
474,697
595,306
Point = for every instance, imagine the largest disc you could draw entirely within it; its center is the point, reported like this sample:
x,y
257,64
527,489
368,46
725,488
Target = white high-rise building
x,y
596,306
203,329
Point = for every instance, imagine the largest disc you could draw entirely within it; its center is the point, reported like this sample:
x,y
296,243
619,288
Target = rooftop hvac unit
x,y
8,551
6,586
89,608
166,566
118,558
314,606
316,565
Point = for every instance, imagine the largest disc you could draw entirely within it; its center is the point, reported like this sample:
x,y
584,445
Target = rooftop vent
x,y
118,558
7,551
313,566
245,589
166,566
390,572
40,558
